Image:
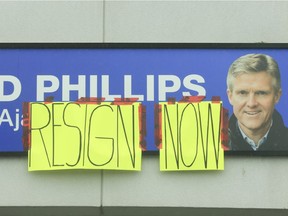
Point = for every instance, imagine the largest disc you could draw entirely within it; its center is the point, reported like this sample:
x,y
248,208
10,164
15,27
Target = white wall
x,y
247,182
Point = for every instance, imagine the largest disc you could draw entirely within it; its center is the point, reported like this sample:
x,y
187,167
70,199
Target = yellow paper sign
x,y
190,134
72,135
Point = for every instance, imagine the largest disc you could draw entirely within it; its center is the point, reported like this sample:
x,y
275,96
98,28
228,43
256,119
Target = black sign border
x,y
151,45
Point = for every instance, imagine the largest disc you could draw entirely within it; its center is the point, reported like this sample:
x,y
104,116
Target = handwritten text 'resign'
x,y
75,135
190,136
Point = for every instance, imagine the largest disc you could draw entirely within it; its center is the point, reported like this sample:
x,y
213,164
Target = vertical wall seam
x,y
104,20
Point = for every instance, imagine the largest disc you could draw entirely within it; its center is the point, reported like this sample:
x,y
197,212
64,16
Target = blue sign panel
x,y
151,75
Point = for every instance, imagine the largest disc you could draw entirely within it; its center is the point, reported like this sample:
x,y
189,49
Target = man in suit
x,y
253,89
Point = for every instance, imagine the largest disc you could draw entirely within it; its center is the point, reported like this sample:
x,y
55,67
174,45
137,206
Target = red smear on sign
x,y
142,127
193,99
216,99
26,134
49,99
90,100
224,128
124,101
171,100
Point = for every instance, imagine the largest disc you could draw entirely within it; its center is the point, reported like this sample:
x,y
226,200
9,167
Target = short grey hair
x,y
254,63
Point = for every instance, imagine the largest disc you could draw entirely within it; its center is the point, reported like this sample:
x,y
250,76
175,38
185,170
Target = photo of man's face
x,y
253,99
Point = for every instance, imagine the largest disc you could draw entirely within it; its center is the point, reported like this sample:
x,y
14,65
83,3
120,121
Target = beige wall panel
x,y
246,182
196,21
51,21
46,188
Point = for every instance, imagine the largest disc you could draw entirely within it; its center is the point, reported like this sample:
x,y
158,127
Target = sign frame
x,y
153,46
